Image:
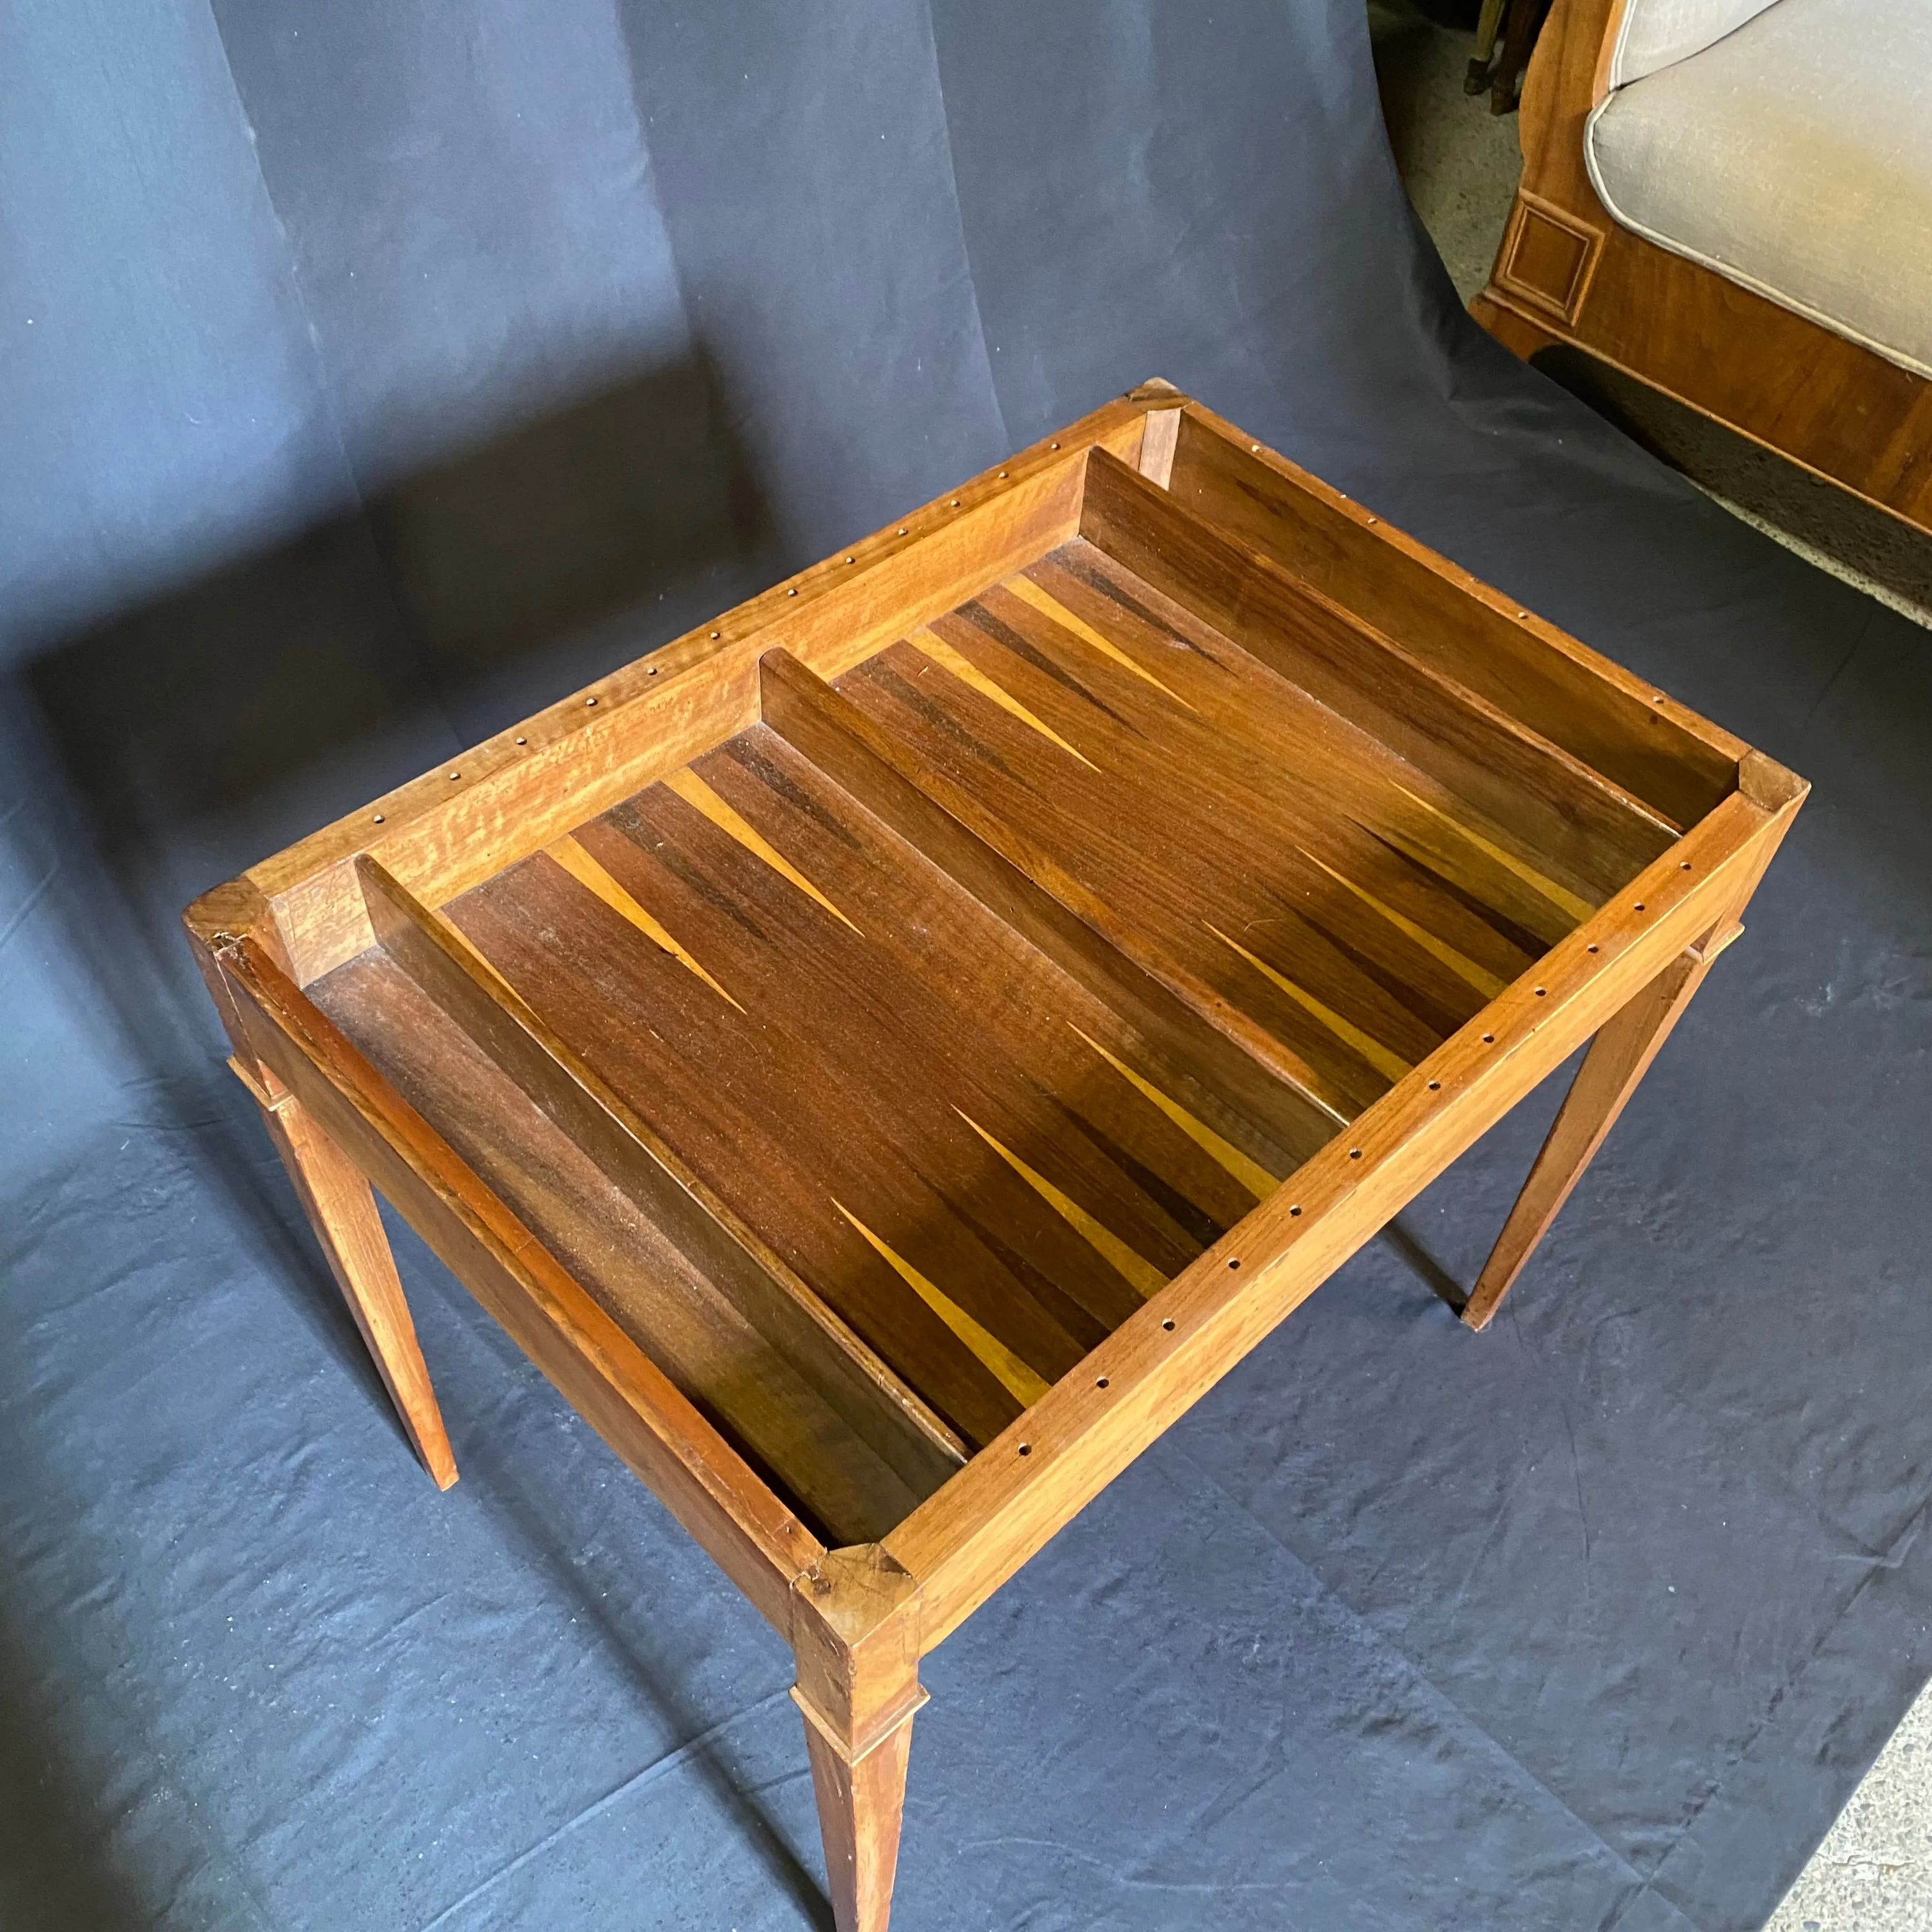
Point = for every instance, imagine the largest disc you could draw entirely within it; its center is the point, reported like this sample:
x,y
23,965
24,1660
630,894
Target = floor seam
x,y
1880,1567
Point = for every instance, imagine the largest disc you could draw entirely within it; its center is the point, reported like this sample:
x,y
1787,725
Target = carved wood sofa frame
x,y
1567,272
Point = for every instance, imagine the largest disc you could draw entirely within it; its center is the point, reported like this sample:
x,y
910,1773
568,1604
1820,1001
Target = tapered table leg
x,y
859,1690
341,1208
1617,1059
861,1802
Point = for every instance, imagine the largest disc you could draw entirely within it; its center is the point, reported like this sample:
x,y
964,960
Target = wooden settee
x,y
1731,201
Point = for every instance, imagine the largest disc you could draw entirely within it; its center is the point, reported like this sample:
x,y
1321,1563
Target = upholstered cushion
x,y
1652,33
1794,156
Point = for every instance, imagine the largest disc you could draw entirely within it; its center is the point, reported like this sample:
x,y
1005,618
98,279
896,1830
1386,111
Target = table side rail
x,y
1579,819
452,828
1659,751
747,1530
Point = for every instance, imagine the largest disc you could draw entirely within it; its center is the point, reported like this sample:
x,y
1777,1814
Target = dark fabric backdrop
x,y
372,371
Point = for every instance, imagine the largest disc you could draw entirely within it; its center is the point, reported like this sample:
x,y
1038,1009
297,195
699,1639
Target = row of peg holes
x,y
1106,1382
1233,1261
1355,1153
1435,1086
652,671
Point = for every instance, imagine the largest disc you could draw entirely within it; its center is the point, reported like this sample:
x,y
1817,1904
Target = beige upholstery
x,y
1653,34
1793,155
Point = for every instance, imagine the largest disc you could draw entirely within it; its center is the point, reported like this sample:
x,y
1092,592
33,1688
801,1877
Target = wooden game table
x,y
887,1053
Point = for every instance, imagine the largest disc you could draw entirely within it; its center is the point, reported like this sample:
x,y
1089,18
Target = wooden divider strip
x,y
885,1414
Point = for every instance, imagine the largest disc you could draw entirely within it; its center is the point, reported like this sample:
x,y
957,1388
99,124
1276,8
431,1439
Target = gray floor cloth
x,y
377,379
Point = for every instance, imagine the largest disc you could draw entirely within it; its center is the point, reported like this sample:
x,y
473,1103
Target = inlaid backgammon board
x,y
886,1054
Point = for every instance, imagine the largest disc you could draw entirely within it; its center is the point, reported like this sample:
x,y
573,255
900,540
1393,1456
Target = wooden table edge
x,y
976,1530
723,1503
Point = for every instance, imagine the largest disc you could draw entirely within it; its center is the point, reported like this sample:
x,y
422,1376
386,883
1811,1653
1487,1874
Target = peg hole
x,y
590,701
902,528
523,741
1489,1040
454,776
1026,1448
653,672
1235,1262
848,560
1542,992
954,505
1100,1382
1435,1086
1684,864
1168,1325
1638,906
1293,1213
793,591
1053,446
714,634
1003,472
1354,1153
379,818
1595,949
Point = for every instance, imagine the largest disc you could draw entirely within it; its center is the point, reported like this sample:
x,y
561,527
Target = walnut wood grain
x,y
1660,752
887,1414
1590,833
901,1046
1228,1071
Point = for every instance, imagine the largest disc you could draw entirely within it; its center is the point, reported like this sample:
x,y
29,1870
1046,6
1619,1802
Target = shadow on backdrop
x,y
179,742
176,743
53,1869
520,1500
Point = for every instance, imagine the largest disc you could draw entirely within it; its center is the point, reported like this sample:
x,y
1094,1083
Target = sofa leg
x,y
1477,79
1525,19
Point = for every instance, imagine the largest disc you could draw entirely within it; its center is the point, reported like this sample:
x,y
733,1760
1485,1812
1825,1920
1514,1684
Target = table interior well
x,y
872,1067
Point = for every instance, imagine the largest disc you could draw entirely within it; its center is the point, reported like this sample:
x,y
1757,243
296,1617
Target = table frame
x,y
859,1619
